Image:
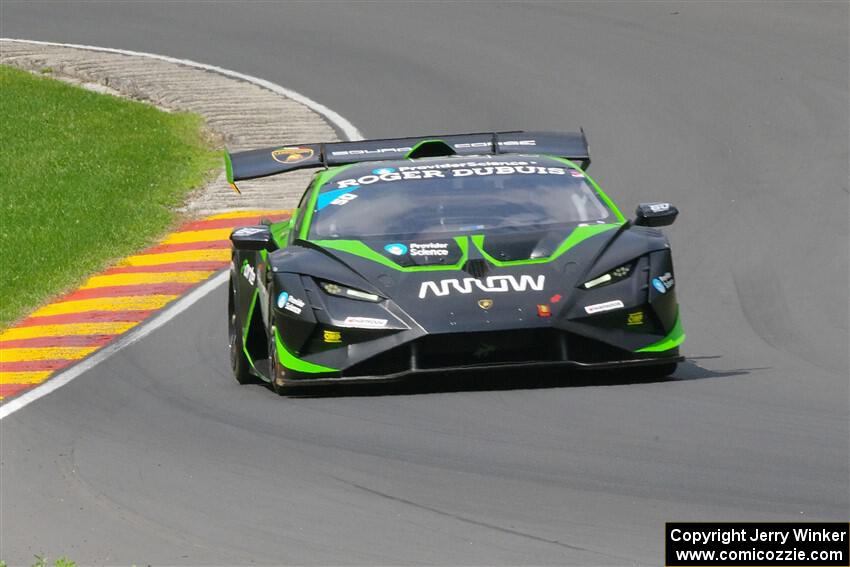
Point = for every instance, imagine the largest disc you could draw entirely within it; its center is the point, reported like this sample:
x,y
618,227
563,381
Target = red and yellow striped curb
x,y
111,303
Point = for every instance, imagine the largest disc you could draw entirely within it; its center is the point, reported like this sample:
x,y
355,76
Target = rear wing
x,y
272,161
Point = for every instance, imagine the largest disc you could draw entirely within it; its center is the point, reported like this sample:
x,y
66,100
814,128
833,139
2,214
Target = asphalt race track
x,y
737,113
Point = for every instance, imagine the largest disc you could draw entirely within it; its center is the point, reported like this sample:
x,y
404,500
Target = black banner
x,y
742,544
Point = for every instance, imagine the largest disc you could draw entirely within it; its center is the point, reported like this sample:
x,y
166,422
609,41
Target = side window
x,y
305,198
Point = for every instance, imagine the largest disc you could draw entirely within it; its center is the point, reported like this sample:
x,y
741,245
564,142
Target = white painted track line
x,y
59,379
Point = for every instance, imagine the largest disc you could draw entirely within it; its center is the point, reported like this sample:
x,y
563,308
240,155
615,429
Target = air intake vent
x,y
430,148
476,268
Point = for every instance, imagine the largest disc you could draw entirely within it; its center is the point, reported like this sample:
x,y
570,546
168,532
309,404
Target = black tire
x,y
238,360
661,370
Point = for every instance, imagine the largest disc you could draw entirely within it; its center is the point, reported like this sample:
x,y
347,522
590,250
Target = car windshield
x,y
454,197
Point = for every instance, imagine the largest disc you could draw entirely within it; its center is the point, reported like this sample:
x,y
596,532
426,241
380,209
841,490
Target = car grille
x,y
453,350
476,268
468,349
392,361
586,350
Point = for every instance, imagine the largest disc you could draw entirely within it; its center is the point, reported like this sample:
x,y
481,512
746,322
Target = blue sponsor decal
x,y
282,299
328,198
659,285
397,249
383,170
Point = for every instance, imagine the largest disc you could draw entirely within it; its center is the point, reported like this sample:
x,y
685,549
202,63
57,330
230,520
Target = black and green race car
x,y
450,253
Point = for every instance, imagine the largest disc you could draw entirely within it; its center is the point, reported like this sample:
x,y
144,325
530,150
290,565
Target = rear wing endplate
x,y
281,159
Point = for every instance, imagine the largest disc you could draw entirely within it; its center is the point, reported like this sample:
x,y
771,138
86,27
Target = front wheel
x,y
660,370
238,360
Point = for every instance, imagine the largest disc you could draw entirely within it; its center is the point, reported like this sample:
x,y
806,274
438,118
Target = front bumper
x,y
475,352
543,365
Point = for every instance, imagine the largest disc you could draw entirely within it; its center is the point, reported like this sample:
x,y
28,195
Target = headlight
x,y
351,293
617,274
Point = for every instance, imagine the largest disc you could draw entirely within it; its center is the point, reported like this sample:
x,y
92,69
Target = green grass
x,y
41,561
85,179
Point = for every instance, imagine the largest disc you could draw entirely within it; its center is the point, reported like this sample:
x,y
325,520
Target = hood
x,y
468,282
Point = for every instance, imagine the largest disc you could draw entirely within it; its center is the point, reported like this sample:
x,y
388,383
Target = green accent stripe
x,y
250,310
280,230
579,234
288,359
358,248
596,188
228,167
248,324
316,187
671,341
292,362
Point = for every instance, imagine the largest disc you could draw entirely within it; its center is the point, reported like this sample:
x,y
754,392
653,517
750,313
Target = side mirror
x,y
252,238
655,214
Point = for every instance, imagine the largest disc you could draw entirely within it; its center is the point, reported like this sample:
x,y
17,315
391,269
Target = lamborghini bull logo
x,y
492,284
291,155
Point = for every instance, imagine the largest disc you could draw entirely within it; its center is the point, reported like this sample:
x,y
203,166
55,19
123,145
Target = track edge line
x,y
178,306
136,334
